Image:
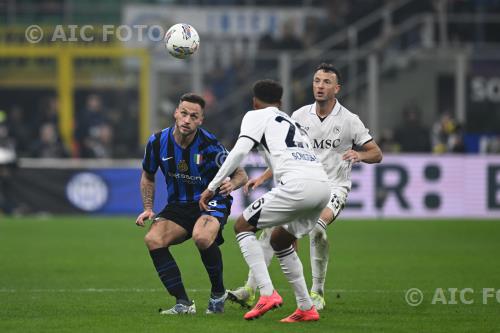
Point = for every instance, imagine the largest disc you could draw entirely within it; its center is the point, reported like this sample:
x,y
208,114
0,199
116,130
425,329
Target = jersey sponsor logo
x,y
326,143
186,178
182,166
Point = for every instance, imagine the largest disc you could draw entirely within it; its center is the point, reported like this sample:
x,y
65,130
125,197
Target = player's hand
x,y
226,187
205,198
252,184
148,214
352,156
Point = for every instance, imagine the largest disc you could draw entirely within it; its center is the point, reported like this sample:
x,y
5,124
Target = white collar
x,y
335,111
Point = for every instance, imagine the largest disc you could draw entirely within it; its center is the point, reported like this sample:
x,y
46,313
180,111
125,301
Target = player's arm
x,y
256,182
237,180
233,160
370,153
148,196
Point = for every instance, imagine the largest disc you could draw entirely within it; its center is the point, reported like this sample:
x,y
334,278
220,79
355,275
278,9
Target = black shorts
x,y
186,214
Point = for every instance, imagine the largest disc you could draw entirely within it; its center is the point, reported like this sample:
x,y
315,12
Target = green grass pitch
x,y
76,274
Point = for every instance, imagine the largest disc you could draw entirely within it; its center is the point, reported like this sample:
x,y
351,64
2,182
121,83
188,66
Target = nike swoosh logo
x,y
166,158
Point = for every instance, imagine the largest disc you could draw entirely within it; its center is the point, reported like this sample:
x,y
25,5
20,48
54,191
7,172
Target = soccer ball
x,y
182,40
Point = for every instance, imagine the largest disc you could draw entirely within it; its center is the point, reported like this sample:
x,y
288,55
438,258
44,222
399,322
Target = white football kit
x,y
302,189
331,138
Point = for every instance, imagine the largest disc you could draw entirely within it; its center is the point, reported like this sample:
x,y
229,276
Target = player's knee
x,y
202,242
154,241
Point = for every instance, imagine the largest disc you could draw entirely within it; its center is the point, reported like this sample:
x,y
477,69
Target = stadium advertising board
x,y
421,186
416,186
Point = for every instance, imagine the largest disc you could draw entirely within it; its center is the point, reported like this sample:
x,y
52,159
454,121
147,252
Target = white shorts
x,y
338,197
296,206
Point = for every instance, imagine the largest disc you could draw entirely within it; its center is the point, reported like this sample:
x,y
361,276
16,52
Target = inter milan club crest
x,y
182,166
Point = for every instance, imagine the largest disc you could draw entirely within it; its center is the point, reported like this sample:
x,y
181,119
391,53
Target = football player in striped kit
x,y
189,158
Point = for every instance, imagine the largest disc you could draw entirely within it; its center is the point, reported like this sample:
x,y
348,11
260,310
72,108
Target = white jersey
x,y
285,147
332,137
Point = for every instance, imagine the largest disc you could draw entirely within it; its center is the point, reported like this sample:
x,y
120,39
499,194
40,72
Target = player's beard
x,y
322,100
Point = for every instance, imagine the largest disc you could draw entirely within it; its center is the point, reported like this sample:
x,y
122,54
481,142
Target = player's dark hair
x,y
268,91
329,68
193,98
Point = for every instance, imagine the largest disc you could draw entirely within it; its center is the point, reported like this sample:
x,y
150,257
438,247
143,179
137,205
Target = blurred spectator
x,y
447,135
49,143
7,162
89,126
456,142
49,112
411,135
289,40
125,134
20,129
100,142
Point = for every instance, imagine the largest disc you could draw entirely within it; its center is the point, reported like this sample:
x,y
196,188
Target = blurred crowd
x,y
99,131
106,124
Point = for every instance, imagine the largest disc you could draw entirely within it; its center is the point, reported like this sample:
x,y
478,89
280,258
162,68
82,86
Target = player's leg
x,y
308,199
162,234
265,243
254,257
319,252
207,235
282,243
320,249
204,235
281,205
245,295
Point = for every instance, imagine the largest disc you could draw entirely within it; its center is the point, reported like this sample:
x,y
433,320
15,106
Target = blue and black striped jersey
x,y
187,171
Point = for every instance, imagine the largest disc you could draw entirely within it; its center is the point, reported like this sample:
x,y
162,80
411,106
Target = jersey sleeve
x,y
360,132
150,161
253,126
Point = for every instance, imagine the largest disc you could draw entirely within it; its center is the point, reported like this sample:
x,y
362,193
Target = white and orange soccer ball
x,y
182,40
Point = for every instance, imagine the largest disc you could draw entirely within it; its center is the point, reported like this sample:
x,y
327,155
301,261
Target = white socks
x,y
292,267
254,256
265,243
319,250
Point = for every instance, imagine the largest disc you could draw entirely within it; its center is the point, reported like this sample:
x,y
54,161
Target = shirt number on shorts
x,y
212,203
256,205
